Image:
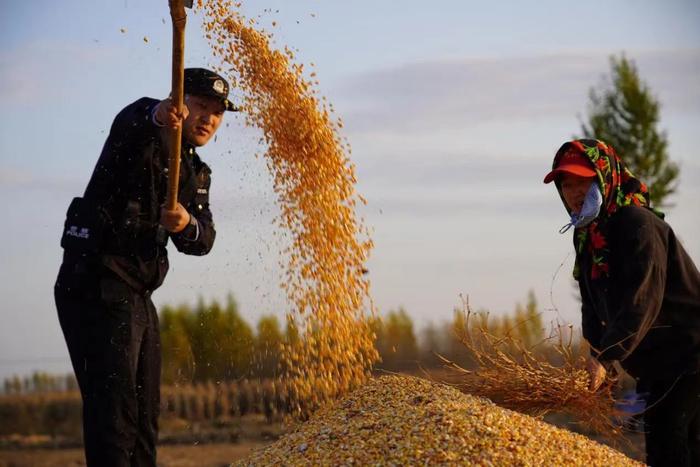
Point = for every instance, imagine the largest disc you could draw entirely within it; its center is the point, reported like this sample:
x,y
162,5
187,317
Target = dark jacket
x,y
129,186
647,314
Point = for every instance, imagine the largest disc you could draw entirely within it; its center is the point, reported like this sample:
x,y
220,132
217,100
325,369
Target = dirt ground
x,y
200,455
181,455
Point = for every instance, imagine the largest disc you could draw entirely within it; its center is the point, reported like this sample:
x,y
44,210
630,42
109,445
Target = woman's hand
x,y
597,373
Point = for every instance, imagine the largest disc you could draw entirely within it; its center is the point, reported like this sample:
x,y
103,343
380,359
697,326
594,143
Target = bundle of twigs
x,y
523,378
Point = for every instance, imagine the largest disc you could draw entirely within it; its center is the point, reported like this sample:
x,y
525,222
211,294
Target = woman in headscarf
x,y
640,294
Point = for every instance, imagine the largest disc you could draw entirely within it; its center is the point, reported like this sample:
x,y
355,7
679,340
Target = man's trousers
x,y
114,345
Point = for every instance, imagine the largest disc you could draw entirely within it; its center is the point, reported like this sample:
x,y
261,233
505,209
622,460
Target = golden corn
x,y
401,420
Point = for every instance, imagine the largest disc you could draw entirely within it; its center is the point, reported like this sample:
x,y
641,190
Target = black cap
x,y
203,82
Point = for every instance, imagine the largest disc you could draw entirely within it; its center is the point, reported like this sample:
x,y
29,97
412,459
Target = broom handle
x,y
179,18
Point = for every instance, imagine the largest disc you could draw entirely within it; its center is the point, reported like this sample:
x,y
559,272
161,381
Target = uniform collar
x,y
188,149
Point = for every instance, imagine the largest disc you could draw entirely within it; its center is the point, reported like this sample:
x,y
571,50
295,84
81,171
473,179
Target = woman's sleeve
x,y
638,257
590,324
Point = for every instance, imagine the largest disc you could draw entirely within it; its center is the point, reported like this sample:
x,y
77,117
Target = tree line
x,y
211,341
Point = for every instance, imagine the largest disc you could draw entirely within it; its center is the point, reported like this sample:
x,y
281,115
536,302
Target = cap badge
x,y
219,86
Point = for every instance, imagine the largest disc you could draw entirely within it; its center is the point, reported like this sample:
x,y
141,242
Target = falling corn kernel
x,y
314,181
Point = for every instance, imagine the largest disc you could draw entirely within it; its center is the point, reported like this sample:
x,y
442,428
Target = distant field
x,y
201,455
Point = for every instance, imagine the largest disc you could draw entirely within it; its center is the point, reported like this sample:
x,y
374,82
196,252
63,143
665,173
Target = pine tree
x,y
624,113
178,360
268,344
432,342
395,340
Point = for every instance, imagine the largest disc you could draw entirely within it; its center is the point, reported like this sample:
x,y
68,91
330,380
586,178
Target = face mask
x,y
589,211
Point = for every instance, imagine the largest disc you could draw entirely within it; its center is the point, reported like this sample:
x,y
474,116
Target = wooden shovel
x,y
179,18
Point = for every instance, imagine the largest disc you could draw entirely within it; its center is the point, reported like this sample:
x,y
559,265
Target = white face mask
x,y
589,211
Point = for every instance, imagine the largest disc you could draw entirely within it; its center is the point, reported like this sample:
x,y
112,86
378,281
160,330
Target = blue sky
x,y
453,109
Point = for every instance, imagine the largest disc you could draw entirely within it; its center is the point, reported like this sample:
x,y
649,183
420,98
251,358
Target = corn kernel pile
x,y
401,420
315,186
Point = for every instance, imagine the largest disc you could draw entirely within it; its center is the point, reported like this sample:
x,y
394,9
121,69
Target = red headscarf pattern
x,y
619,188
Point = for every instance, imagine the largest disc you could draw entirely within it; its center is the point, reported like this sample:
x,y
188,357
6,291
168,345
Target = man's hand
x,y
597,373
174,221
167,115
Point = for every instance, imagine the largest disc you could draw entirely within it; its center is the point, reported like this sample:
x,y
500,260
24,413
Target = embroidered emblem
x,y
219,86
84,232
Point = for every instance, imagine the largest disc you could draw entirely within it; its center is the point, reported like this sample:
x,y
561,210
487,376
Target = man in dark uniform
x,y
115,256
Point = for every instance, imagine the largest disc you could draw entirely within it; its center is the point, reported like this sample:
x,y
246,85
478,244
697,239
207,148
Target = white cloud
x,y
15,178
422,97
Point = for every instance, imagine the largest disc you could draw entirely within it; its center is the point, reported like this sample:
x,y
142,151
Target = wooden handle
x,y
179,18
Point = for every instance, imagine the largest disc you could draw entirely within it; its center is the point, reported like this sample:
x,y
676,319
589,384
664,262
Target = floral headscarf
x,y
619,188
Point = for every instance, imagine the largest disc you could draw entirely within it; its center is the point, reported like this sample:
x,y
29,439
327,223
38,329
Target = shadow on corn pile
x,y
404,420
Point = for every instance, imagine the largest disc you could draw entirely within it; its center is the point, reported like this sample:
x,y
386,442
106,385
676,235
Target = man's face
x,y
203,120
574,189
